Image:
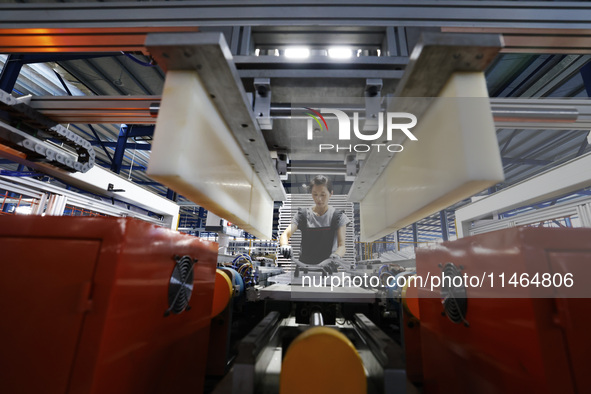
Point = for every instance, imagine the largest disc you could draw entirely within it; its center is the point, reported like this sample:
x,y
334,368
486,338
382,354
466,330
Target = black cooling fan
x,y
180,286
455,300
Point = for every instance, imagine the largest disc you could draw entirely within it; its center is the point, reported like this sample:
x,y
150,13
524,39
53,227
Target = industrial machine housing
x,y
89,308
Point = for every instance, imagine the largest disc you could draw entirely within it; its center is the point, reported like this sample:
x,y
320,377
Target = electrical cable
x,y
131,166
138,61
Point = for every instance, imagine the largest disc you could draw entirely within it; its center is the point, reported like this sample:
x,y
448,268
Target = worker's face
x,y
321,195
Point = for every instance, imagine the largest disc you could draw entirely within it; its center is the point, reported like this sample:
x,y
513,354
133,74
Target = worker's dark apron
x,y
317,242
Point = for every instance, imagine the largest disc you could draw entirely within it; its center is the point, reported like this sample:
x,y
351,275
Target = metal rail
x,y
508,14
569,114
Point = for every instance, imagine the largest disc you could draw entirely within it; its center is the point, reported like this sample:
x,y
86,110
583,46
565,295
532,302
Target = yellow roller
x,y
222,292
322,360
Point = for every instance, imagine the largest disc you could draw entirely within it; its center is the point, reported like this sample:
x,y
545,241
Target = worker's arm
x,y
341,249
284,247
284,239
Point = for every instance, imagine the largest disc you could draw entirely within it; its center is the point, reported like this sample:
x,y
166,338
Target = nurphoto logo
x,y
392,120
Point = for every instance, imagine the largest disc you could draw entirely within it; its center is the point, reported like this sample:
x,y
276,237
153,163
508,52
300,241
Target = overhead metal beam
x,y
508,113
541,15
565,69
135,168
559,181
97,109
340,73
129,145
532,162
320,62
553,142
546,40
31,38
30,58
141,131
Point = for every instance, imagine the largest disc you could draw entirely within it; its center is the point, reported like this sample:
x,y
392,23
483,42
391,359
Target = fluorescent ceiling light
x,y
297,53
340,52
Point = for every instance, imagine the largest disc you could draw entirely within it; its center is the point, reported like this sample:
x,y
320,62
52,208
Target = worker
x,y
322,227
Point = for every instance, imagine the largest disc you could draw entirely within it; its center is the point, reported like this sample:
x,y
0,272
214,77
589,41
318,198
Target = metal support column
x,y
171,195
246,44
235,40
583,146
415,234
10,72
120,149
586,74
140,131
389,47
101,142
63,83
444,225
